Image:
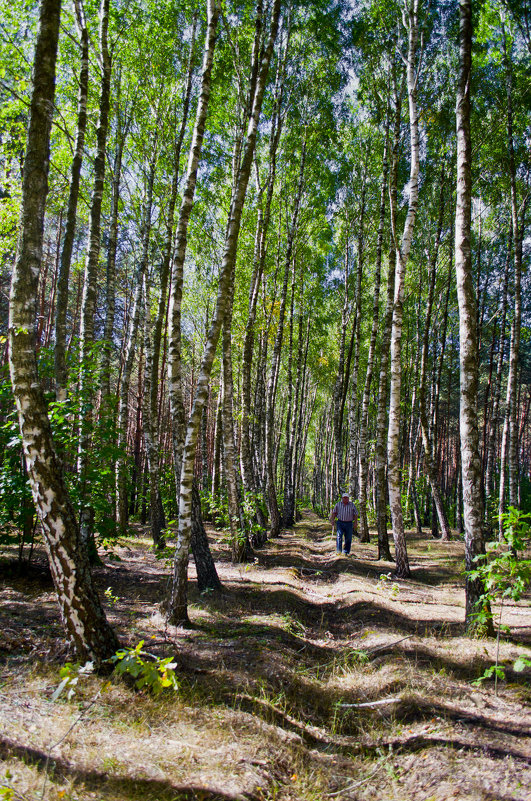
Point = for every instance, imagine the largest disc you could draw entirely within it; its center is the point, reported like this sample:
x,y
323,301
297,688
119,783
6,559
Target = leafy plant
x,y
17,514
385,582
8,792
148,670
504,577
252,502
70,675
215,508
111,597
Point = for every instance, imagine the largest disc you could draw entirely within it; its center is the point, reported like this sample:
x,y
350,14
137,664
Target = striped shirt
x,y
346,512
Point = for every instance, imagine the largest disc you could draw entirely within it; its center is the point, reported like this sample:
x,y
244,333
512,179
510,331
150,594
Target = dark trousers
x,y
344,529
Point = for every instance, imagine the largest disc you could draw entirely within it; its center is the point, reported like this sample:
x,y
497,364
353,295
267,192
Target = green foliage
x,y
148,671
104,453
504,577
7,791
111,597
16,505
252,502
215,508
70,675
386,584
522,663
525,491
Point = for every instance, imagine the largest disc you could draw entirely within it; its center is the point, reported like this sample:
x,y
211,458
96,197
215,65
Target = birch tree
x,y
393,452
88,306
177,605
468,368
71,214
81,611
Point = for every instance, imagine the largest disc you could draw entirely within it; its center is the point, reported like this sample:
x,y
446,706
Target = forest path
x,y
309,677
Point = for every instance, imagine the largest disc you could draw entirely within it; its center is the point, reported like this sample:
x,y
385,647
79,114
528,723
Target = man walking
x,y
347,522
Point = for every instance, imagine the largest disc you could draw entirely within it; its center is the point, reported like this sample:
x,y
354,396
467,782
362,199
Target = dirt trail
x,y
311,676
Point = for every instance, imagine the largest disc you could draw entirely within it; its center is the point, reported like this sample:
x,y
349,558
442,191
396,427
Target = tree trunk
x,y
274,514
177,606
90,287
218,446
288,506
380,453
174,324
207,576
393,445
364,420
356,333
249,478
70,226
468,422
512,394
134,322
81,611
423,411
110,269
342,377
496,395
241,547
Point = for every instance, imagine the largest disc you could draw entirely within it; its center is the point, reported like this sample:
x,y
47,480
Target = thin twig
x,y
381,702
63,738
358,784
389,645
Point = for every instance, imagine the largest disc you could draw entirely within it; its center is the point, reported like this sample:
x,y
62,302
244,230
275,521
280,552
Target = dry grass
x,y
281,683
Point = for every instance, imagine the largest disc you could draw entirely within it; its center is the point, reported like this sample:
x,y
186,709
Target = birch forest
x,y
257,254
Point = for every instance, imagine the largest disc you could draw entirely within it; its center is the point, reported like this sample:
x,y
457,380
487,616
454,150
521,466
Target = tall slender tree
x,y
81,611
177,604
393,446
468,420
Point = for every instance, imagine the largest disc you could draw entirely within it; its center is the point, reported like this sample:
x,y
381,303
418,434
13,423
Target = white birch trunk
x,y
364,419
177,606
174,321
70,227
90,286
468,367
393,444
81,611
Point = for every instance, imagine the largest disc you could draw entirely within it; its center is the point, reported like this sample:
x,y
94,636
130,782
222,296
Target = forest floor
x,y
312,676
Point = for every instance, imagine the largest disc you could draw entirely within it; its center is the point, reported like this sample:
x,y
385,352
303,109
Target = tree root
x,y
476,740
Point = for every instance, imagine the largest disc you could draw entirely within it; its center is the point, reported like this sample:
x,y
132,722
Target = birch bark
x,y
88,303
288,506
468,367
174,322
511,419
353,417
81,611
342,378
127,368
177,605
364,420
262,226
381,417
393,444
241,547
110,267
495,413
274,514
423,410
73,195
